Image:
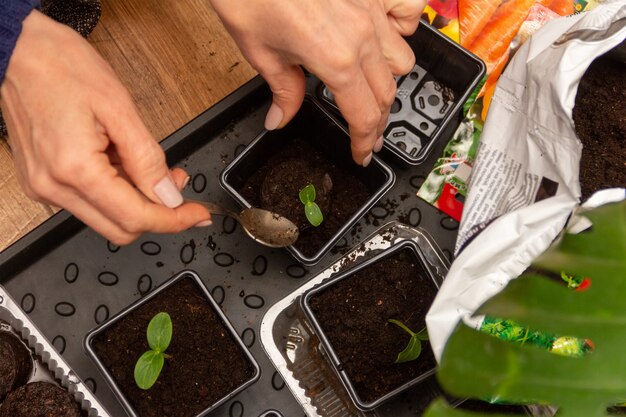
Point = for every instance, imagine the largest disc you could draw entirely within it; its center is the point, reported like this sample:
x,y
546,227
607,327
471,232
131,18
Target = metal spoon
x,y
266,227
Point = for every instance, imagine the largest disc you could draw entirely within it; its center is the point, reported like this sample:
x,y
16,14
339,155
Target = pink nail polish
x,y
274,117
204,223
167,192
367,160
379,144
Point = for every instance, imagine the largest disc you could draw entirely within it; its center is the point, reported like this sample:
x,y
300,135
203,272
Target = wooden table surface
x,y
175,58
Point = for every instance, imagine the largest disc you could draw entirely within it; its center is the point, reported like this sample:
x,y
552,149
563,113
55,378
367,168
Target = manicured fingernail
x,y
204,223
168,193
186,182
379,144
367,160
274,117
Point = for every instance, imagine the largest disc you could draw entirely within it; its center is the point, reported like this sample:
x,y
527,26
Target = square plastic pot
x,y
326,344
318,128
429,99
184,275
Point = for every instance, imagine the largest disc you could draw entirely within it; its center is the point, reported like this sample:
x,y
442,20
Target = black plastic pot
x,y
96,333
319,129
429,100
326,343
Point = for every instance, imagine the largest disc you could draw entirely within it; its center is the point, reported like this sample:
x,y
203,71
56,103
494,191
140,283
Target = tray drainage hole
x,y
396,106
423,125
422,103
401,145
413,75
433,100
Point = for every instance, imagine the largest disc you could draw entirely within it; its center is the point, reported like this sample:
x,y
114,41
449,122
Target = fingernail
x,y
274,117
186,182
379,144
367,160
204,223
167,192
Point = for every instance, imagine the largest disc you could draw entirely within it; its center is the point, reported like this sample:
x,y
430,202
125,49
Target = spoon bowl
x,y
264,226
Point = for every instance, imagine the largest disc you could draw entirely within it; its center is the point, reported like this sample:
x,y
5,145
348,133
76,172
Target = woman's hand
x,y
79,143
354,46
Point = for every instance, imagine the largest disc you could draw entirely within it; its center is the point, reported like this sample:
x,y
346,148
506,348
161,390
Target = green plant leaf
x,y
413,349
160,332
313,214
478,365
148,368
307,194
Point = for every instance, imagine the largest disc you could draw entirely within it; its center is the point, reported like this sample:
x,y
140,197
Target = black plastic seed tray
x,y
429,99
68,279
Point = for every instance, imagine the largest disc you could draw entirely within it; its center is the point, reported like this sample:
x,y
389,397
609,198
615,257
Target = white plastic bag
x,y
525,184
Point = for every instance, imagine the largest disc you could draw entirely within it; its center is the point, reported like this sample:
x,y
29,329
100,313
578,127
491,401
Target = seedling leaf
x,y
313,214
149,365
307,194
159,332
148,369
312,211
413,349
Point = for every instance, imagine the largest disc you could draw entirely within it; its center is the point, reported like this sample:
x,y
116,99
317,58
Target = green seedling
x,y
311,209
413,349
150,364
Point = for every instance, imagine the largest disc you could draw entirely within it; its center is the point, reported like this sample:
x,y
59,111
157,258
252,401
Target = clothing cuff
x,y
12,14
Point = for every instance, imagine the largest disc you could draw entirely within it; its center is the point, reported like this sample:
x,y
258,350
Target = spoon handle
x,y
216,209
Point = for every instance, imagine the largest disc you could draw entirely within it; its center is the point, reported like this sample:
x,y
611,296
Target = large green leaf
x,y
478,365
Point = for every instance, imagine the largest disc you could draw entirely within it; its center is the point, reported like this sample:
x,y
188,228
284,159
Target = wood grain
x,y
175,58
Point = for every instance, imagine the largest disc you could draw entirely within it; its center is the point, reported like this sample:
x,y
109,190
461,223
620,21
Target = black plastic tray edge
x,y
335,362
63,225
92,334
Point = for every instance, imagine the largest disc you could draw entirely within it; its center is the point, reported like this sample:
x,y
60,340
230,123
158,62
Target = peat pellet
x,y
39,399
16,363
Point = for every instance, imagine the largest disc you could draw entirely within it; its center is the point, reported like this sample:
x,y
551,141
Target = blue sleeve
x,y
12,14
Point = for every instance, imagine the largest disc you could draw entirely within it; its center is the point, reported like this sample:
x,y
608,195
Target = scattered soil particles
x,y
16,363
205,362
354,316
276,186
39,399
600,121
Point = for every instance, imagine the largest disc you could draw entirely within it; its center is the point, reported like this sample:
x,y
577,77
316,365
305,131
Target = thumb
x,y
287,85
141,157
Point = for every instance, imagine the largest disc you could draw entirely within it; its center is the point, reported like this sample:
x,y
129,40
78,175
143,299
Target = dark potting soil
x,y
39,399
354,316
600,120
16,363
276,186
205,362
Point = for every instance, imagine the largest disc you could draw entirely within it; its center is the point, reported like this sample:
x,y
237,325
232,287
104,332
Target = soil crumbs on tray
x,y
304,164
354,316
600,119
205,365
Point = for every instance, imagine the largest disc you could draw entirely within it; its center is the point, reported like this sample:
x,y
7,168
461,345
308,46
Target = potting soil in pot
x,y
276,185
205,362
354,316
600,121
